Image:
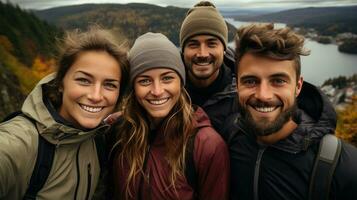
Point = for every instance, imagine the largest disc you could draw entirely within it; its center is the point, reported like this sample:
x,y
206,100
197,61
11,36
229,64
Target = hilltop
x,y
128,21
326,20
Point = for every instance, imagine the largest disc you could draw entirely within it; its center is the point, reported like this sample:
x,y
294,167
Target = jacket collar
x,y
53,131
315,117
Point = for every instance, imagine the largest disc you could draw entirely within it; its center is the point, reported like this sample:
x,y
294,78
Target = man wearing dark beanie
x,y
210,83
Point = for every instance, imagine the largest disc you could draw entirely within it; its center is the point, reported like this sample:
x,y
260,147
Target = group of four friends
x,y
242,119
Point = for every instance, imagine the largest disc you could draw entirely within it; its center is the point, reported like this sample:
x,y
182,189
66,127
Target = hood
x,y
315,117
201,118
52,131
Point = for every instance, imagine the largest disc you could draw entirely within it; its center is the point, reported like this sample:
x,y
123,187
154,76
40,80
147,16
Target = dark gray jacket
x,y
222,103
283,170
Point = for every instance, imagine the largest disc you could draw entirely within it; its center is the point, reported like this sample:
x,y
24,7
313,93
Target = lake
x,y
324,61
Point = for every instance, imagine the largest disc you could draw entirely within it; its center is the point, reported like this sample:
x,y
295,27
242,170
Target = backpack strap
x,y
100,145
43,165
190,168
15,114
324,167
42,168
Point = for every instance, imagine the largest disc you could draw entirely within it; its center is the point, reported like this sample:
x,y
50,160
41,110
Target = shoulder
x,y
345,178
208,141
18,138
348,161
18,150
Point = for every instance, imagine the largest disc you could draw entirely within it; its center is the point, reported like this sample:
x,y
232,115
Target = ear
x,y
299,86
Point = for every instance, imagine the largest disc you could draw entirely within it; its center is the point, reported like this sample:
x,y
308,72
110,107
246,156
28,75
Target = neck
x,y
203,83
284,132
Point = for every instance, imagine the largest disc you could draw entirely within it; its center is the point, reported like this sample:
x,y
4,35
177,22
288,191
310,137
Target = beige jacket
x,y
75,169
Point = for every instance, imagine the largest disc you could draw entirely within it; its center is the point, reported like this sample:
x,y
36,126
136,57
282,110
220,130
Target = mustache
x,y
258,103
206,59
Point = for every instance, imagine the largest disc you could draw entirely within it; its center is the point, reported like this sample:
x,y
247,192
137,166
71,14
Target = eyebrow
x,y
245,77
166,73
91,76
280,75
162,74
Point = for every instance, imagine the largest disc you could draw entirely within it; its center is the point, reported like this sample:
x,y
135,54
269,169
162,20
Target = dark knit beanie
x,y
203,20
154,50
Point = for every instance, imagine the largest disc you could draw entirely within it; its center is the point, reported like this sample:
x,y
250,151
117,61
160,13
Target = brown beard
x,y
269,127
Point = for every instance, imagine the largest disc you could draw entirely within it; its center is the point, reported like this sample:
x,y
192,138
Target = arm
x,y
212,164
17,155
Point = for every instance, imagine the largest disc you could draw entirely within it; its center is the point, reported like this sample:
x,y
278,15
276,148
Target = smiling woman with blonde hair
x,y
150,155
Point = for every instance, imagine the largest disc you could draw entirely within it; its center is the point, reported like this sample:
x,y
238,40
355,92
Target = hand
x,y
112,117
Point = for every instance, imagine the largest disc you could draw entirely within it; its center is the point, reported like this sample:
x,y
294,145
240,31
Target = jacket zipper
x,y
89,180
256,173
78,175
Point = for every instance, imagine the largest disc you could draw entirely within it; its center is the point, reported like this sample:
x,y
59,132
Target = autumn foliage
x,y
347,122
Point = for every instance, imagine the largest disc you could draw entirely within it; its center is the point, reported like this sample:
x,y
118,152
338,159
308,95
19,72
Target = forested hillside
x,y
26,47
326,20
127,20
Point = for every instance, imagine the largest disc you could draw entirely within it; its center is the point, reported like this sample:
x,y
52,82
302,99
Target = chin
x,y
90,125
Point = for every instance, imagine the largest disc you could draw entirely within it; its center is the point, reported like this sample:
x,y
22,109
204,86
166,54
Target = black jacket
x,y
220,99
283,170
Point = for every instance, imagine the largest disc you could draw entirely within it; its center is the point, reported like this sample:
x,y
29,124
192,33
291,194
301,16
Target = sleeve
x,y
16,162
212,162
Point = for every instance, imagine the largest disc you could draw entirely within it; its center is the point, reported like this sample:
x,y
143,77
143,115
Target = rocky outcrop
x,y
11,96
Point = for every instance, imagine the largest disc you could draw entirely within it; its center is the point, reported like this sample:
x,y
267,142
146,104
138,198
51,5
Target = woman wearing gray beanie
x,y
165,149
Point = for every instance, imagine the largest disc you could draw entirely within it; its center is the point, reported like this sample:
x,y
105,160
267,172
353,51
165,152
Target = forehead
x,y
203,38
157,72
96,63
260,66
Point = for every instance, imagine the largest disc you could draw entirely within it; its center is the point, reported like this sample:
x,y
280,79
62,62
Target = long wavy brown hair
x,y
132,140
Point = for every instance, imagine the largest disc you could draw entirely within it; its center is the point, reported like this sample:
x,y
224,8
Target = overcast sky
x,y
222,4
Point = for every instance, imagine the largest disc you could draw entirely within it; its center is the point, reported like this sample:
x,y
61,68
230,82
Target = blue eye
x,y
167,78
144,82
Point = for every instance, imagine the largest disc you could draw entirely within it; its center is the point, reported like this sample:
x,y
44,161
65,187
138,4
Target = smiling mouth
x,y
158,101
265,109
91,109
203,63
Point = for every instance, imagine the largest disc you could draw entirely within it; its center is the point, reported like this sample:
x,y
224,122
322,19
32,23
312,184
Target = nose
x,y
95,94
203,51
264,92
157,89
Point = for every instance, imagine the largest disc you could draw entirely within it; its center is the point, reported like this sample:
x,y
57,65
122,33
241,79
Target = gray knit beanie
x,y
203,20
154,50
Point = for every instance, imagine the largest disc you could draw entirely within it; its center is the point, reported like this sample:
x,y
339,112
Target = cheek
x,y
244,94
71,94
188,55
113,98
139,94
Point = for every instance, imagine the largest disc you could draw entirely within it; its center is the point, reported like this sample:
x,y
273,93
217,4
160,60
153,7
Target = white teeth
x,y
264,109
158,101
91,109
202,64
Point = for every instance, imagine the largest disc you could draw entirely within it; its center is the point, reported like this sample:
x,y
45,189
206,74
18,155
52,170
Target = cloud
x,y
41,4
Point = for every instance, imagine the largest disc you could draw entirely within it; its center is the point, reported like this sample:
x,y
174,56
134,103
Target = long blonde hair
x,y
132,140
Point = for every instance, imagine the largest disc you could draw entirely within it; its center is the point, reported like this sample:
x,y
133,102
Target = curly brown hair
x,y
264,40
